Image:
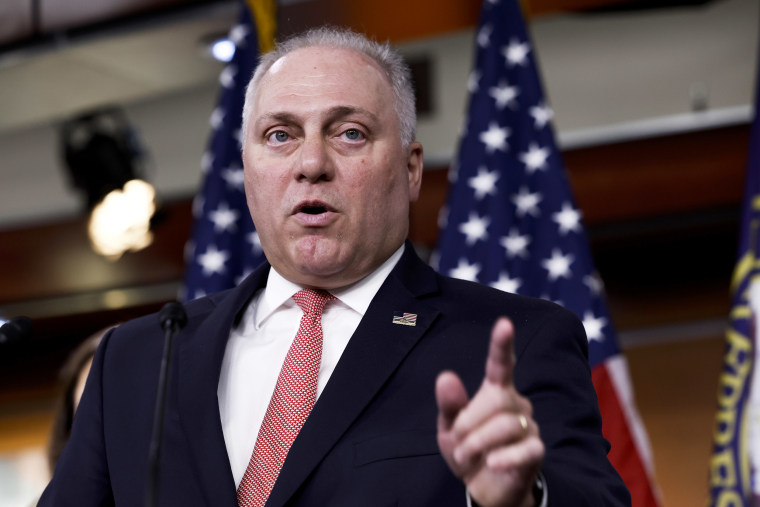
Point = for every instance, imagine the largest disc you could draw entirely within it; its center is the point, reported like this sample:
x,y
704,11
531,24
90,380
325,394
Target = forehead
x,y
326,76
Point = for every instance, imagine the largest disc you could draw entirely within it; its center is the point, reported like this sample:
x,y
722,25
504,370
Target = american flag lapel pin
x,y
405,319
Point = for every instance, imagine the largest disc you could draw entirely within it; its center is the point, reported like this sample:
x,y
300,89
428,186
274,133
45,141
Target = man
x,y
331,168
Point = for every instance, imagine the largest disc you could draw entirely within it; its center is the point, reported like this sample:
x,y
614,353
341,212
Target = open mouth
x,y
313,208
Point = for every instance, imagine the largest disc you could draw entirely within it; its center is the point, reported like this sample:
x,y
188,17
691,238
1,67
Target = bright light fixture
x,y
121,221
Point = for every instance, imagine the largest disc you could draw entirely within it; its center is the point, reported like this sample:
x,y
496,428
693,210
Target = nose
x,y
314,163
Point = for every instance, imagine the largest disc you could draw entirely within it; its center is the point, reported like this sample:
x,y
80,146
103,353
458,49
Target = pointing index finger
x,y
501,356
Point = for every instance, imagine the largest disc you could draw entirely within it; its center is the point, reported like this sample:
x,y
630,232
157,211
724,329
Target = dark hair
x,y
69,375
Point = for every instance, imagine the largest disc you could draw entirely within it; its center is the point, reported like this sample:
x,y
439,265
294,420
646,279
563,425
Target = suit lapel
x,y
199,364
374,352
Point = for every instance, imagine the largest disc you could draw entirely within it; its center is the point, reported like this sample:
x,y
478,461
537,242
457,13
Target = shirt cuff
x,y
540,491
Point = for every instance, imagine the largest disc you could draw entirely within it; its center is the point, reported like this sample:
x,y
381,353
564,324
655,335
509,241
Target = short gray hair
x,y
390,61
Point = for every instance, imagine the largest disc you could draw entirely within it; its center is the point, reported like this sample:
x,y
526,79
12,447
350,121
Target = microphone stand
x,y
172,318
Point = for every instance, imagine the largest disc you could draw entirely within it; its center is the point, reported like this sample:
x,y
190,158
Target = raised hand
x,y
490,442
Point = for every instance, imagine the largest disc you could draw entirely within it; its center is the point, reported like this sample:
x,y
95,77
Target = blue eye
x,y
279,136
353,134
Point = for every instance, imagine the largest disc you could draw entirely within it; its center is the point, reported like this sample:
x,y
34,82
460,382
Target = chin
x,y
324,262
316,250
320,269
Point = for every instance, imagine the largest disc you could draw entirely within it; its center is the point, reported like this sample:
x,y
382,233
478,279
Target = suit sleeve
x,y
552,371
81,477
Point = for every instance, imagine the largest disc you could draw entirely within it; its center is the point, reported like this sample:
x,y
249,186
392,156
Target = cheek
x,y
251,187
257,197
385,198
263,182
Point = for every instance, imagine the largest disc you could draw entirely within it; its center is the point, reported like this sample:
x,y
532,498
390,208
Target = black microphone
x,y
172,318
15,330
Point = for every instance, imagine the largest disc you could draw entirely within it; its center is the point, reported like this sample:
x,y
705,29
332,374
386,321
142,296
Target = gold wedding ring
x,y
523,423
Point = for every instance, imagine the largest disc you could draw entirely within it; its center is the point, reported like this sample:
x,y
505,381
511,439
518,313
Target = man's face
x,y
327,181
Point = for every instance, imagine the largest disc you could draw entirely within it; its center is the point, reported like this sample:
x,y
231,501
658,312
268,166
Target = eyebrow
x,y
343,111
277,117
333,114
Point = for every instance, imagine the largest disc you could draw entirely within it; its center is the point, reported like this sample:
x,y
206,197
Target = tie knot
x,y
311,301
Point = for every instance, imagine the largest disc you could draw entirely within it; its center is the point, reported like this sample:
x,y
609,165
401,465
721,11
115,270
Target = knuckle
x,y
526,407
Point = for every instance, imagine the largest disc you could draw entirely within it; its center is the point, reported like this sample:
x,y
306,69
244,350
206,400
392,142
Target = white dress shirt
x,y
257,347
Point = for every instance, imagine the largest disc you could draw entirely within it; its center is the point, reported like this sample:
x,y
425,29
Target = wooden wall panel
x,y
400,20
659,176
55,259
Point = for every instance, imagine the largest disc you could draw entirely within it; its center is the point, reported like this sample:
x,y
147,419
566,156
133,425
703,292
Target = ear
x,y
414,168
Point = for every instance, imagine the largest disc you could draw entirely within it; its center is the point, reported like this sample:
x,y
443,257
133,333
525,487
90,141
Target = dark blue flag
x,y
512,223
224,246
735,462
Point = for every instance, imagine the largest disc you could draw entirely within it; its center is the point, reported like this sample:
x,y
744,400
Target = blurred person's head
x,y
72,379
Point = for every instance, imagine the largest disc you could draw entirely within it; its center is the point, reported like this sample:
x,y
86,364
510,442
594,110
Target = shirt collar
x,y
357,296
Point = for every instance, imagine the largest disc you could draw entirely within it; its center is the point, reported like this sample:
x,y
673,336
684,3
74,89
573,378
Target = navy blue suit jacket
x,y
371,437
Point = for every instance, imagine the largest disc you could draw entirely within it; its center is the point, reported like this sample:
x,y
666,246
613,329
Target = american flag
x,y
511,222
224,246
735,462
405,319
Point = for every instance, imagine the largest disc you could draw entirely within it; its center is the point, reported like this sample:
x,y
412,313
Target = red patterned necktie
x,y
292,401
